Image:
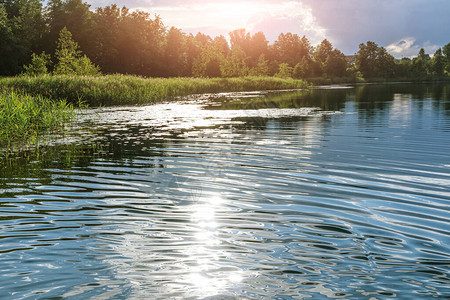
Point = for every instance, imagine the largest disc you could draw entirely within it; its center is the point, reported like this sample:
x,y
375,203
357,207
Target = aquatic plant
x,y
24,119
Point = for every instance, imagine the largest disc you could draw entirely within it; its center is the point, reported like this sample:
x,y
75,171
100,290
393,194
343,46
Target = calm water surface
x,y
337,192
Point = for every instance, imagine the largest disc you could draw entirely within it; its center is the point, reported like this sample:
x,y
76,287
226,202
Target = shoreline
x,y
111,90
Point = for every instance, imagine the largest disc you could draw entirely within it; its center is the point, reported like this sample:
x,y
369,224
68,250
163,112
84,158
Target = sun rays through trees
x,y
119,40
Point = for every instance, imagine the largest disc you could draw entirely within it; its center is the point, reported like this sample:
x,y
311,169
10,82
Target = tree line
x,y
67,37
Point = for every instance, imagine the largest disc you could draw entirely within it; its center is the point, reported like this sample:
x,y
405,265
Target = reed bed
x,y
125,89
24,119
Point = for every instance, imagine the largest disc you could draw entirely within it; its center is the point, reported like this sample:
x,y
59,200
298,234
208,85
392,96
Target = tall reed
x,y
125,89
24,119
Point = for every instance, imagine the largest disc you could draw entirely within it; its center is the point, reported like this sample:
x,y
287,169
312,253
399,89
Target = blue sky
x,y
402,26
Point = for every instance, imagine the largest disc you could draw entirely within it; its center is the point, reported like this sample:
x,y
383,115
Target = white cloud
x,y
408,47
351,22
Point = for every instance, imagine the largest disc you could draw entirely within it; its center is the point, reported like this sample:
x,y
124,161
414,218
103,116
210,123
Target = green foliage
x,y
335,64
234,65
38,65
323,51
446,52
262,67
22,25
425,57
24,119
121,89
8,53
419,68
208,63
252,45
302,69
404,67
76,17
175,58
284,71
374,61
84,66
70,61
120,40
438,63
290,48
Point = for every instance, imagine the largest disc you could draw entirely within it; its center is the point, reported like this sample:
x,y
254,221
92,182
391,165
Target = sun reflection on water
x,y
150,253
210,276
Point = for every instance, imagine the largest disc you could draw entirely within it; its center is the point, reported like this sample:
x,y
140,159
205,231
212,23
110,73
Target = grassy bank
x,y
123,89
24,119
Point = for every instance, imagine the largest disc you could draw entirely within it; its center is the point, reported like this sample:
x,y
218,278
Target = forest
x,y
69,37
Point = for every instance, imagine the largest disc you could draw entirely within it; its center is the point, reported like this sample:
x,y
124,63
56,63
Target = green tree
x,y
446,53
38,65
67,51
69,58
193,51
106,26
261,68
208,63
403,67
259,46
419,68
140,44
76,16
426,57
366,59
438,63
203,39
234,65
8,53
21,28
373,61
84,66
385,63
329,61
303,69
175,53
335,65
239,37
305,48
284,71
221,44
323,51
290,49
420,65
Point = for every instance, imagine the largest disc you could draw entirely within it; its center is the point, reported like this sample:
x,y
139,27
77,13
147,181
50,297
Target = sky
x,y
401,26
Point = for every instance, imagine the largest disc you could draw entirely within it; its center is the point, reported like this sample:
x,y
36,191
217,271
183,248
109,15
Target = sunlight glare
x,y
231,15
236,13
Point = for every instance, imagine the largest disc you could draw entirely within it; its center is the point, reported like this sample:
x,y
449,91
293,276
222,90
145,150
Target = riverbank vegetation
x,y
118,40
69,53
27,113
24,119
126,89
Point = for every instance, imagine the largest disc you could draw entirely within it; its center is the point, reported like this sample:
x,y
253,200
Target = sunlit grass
x,y
125,89
24,119
31,107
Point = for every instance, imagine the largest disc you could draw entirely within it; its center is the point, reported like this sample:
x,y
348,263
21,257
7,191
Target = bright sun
x,y
218,14
236,14
220,17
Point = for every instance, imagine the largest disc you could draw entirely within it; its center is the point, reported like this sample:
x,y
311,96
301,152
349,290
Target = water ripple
x,y
224,204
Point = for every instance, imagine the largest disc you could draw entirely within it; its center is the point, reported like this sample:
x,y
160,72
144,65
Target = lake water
x,y
336,192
